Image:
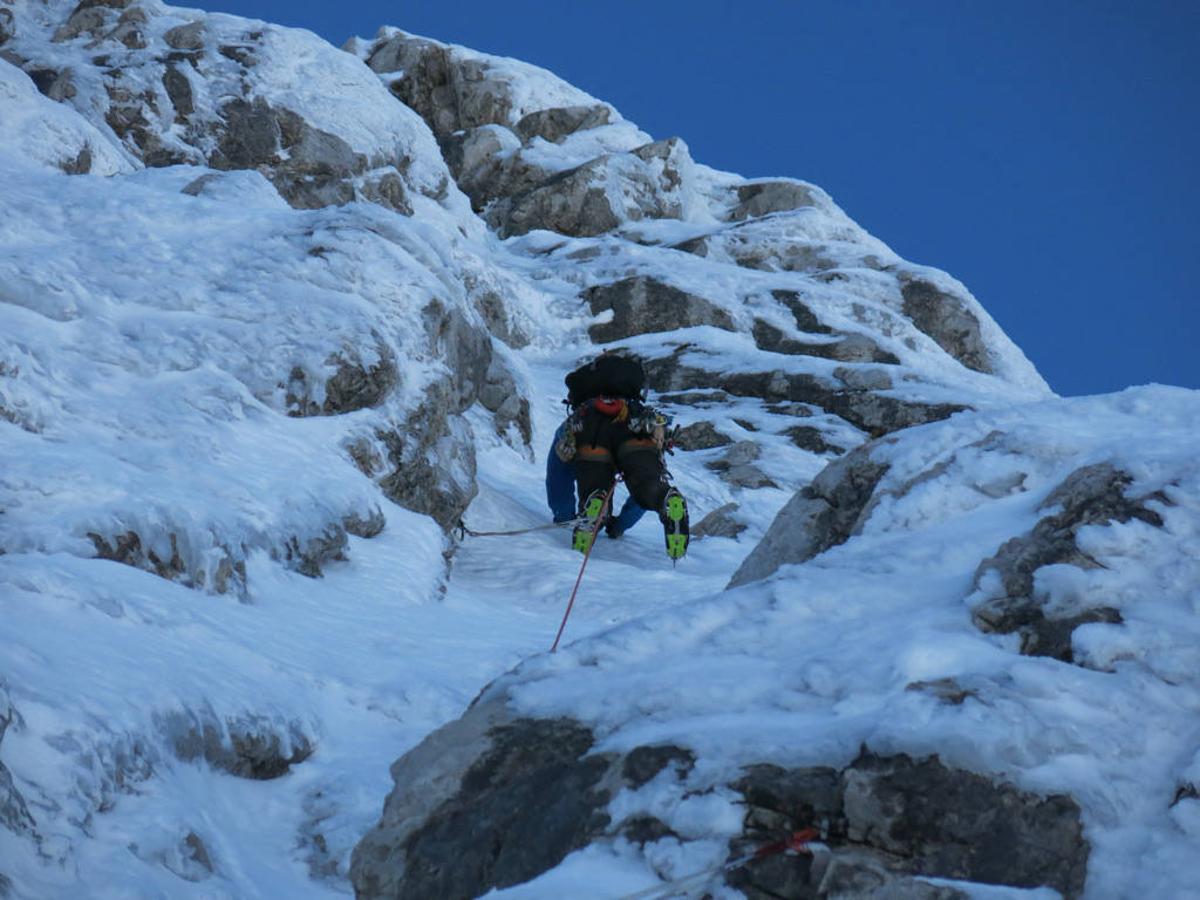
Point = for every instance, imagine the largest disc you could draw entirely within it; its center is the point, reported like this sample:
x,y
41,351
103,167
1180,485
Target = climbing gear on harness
x,y
594,515
674,518
586,556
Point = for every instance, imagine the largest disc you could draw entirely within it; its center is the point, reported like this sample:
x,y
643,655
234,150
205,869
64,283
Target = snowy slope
x,y
258,352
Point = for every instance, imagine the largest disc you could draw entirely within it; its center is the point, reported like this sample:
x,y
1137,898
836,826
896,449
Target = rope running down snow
x,y
586,556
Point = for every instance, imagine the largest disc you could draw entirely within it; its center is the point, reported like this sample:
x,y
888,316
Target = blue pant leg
x,y
560,484
629,515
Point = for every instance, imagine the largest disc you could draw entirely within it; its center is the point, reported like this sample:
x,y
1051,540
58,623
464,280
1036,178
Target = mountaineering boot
x,y
581,537
674,517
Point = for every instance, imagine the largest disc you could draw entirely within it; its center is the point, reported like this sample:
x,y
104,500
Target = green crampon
x,y
675,525
582,537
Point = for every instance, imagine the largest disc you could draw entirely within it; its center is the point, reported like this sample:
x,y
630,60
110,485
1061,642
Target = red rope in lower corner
x,y
586,557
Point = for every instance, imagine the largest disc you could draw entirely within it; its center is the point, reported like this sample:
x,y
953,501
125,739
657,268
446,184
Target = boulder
x,y
721,522
641,305
888,818
822,515
948,319
451,92
1005,600
766,197
556,124
601,194
700,436
186,37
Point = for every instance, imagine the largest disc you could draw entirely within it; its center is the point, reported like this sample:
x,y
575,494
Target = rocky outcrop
x,y
600,195
721,522
851,400
820,516
192,98
525,789
887,818
451,92
247,747
736,466
557,123
700,436
762,198
1006,599
642,305
354,385
531,791
948,319
14,812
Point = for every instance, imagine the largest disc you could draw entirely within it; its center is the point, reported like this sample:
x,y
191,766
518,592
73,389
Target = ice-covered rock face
x,y
305,303
171,87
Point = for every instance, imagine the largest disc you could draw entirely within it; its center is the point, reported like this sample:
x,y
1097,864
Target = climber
x,y
609,430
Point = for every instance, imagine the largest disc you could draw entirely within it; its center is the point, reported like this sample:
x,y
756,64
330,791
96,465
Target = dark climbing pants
x,y
604,447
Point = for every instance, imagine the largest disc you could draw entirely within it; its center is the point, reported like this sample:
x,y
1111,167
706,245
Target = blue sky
x,y
1045,153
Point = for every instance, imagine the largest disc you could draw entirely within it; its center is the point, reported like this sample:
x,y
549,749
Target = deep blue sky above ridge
x,y
1044,153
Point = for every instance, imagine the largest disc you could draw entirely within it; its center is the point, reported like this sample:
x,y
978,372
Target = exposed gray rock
x,y
486,164
501,397
179,90
84,20
432,457
1093,495
947,319
555,124
812,439
641,305
186,37
529,798
956,824
764,198
248,747
8,26
875,414
601,194
14,812
368,526
353,386
850,348
721,522
890,818
822,515
700,436
449,92
496,317
861,379
309,555
806,320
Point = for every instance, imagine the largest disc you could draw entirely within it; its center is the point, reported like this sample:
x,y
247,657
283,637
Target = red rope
x,y
586,556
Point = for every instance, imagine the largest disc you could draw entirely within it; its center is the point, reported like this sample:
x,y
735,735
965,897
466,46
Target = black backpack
x,y
610,375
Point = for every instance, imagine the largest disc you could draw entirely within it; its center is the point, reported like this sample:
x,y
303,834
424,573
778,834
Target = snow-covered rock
x,y
275,316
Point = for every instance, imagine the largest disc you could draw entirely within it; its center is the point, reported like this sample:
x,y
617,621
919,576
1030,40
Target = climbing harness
x,y
586,556
798,843
462,531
